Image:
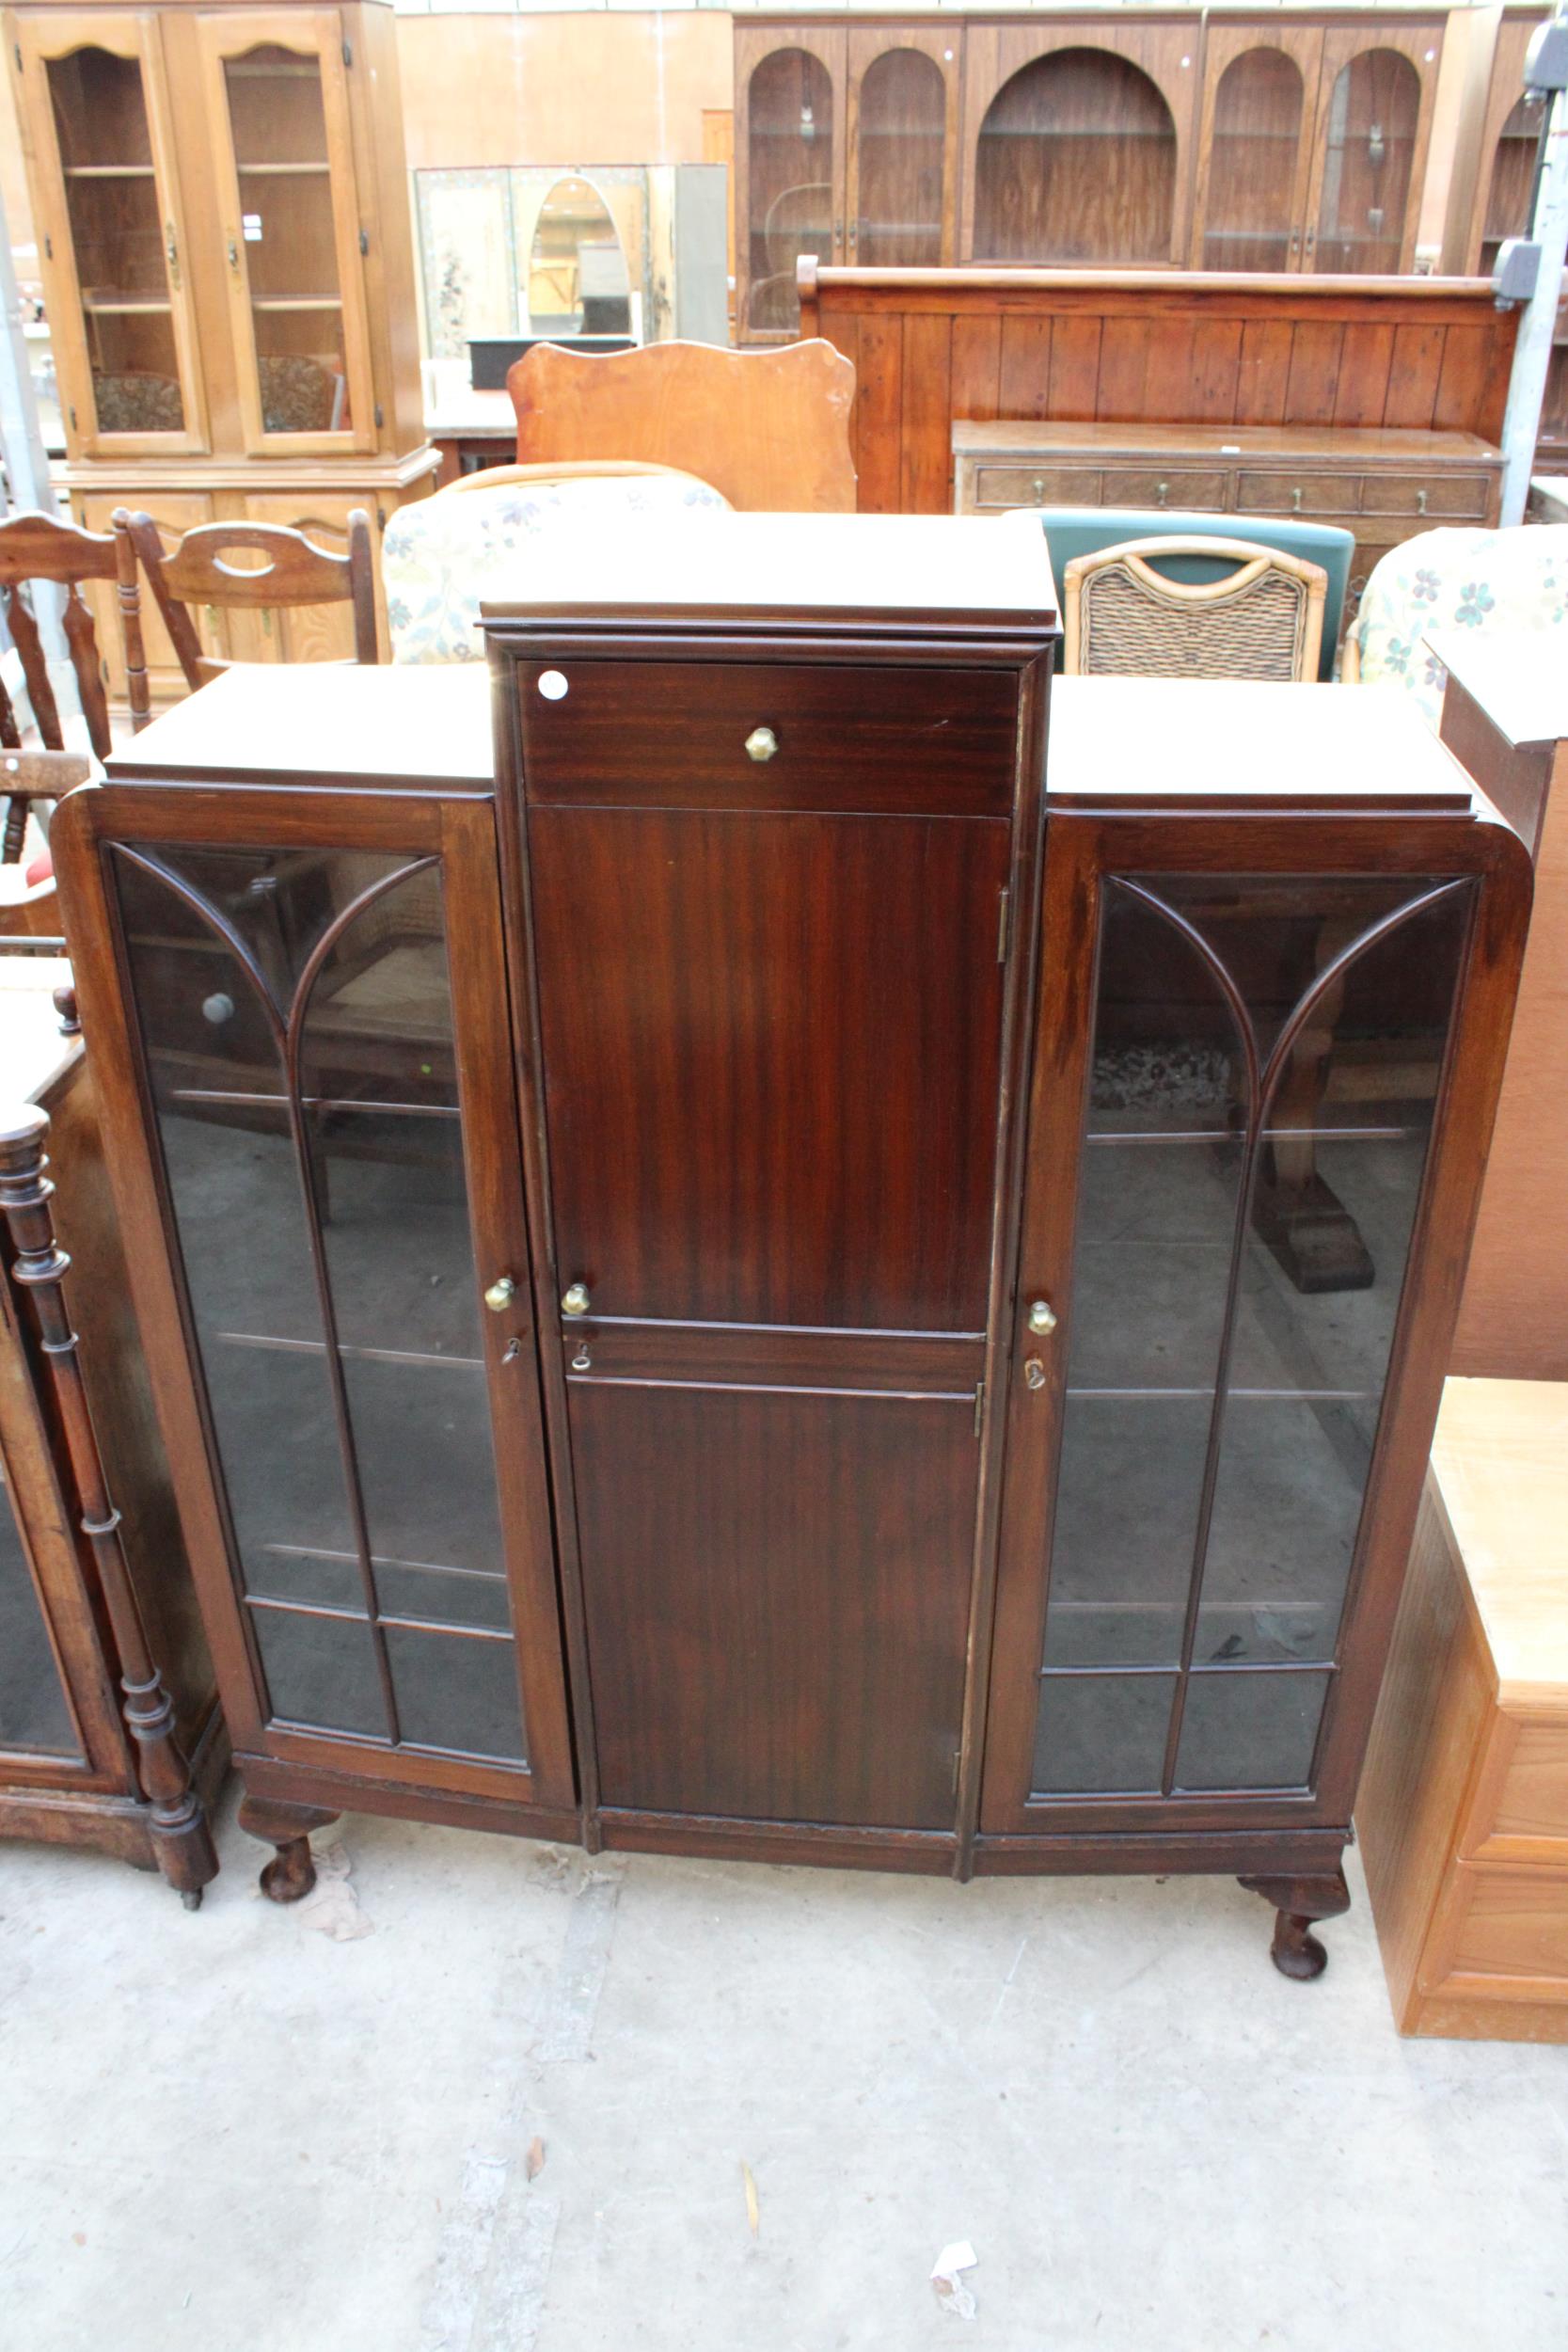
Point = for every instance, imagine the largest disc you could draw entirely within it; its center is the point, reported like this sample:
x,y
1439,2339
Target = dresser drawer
x,y
1164,486
1504,1930
1289,494
1463,496
674,735
1037,485
1520,1808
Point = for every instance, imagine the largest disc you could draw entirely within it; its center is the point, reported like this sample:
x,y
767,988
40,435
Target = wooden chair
x,y
35,547
297,572
1124,619
769,429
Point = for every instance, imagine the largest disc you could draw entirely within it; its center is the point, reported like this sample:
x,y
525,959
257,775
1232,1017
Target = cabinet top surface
x,y
836,569
1236,741
422,724
1525,696
1019,436
1500,1462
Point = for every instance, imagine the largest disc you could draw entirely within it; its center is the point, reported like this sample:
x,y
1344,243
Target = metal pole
x,y
1533,352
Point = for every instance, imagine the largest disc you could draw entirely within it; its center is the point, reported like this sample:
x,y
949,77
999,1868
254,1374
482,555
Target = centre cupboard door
x,y
771,1037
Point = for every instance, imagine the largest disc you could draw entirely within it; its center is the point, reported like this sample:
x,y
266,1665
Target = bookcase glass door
x,y
35,1717
296,1016
1265,1065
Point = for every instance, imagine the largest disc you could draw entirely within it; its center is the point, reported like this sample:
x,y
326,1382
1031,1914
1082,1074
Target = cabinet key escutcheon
x,y
1034,1371
499,1294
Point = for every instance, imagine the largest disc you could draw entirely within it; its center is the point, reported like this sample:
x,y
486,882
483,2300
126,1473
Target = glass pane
x,y
1252,167
1076,162
34,1717
1101,1734
1250,1730
899,154
1127,1497
363,1481
790,164
118,237
1507,191
457,1692
321,1672
278,125
1241,1020
1372,145
577,275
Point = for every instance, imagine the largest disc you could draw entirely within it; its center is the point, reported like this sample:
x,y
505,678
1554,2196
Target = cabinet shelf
x,y
110,171
355,1355
130,306
282,172
295,302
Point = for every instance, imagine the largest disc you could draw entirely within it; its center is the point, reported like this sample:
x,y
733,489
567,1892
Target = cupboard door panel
x,y
1259,1074
903,143
771,1061
335,1133
777,1593
113,233
789,166
1255,149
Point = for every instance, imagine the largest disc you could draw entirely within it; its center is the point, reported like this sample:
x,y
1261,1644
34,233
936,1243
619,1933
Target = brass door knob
x,y
576,1300
1042,1316
761,744
500,1294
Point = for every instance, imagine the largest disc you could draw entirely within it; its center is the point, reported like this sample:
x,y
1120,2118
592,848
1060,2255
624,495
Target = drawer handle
x,y
1164,492
1421,501
761,744
1038,488
1295,499
575,1301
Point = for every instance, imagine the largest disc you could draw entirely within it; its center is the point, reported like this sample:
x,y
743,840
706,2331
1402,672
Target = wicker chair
x,y
1125,619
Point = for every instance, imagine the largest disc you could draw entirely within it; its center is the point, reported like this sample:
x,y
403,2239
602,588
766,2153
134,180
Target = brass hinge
x,y
348,53
957,1767
16,53
48,248
1002,926
71,414
979,1405
364,241
380,416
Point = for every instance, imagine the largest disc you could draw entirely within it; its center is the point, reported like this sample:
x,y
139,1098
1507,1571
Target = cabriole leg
x,y
1299,1901
291,1873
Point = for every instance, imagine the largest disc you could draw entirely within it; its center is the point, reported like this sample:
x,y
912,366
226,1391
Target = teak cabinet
x,y
923,1351
222,211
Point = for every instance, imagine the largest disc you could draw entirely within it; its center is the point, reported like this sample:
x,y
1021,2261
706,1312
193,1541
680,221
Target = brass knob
x,y
1042,1316
576,1300
761,744
500,1294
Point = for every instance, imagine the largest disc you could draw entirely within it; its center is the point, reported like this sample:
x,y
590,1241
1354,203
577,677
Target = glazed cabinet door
x,y
1255,145
292,229
1375,99
770,1006
95,116
789,166
326,1228
903,147
1230,1166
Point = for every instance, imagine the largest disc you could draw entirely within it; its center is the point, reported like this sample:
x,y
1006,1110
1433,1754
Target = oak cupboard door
x,y
789,152
1227,1168
771,1068
310,633
330,1144
902,143
1255,145
1375,99
95,107
292,229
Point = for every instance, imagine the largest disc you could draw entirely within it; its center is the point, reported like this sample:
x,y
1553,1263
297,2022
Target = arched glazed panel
x,y
1373,118
1254,145
790,180
900,153
1076,162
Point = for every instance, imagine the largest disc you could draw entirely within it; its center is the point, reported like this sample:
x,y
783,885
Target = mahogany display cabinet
x,y
730,1274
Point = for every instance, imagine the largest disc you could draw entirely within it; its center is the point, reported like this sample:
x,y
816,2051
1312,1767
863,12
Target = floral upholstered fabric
x,y
443,556
1486,581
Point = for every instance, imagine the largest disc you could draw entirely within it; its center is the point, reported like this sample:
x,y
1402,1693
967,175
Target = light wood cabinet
x,y
223,217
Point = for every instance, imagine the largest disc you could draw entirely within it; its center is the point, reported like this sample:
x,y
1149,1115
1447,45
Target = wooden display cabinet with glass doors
x,y
222,216
1313,142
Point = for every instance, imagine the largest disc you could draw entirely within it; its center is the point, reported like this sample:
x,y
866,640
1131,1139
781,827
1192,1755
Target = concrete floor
x,y
236,2132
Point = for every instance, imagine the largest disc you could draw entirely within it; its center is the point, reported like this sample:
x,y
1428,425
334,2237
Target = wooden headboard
x,y
1145,347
